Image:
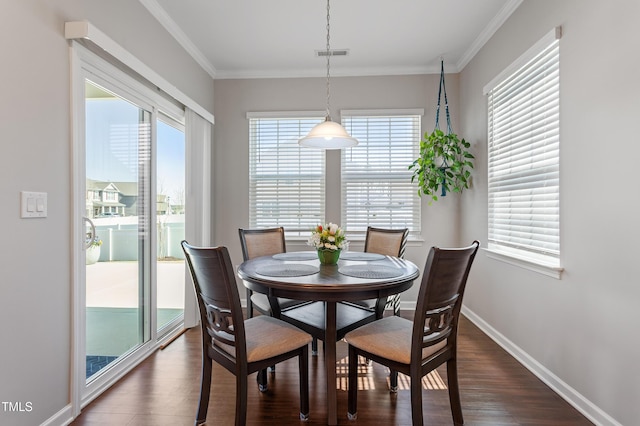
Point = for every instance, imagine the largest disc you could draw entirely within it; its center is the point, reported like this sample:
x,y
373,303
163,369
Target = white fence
x,y
120,237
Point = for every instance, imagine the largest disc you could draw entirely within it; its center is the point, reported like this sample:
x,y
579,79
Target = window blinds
x,y
376,183
286,182
523,170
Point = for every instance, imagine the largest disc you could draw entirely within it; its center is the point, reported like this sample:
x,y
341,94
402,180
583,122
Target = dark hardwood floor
x,y
495,390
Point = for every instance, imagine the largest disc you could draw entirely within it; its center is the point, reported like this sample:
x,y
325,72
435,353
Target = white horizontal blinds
x,y
523,186
286,182
376,183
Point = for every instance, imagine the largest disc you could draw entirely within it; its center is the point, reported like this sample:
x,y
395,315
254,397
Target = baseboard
x,y
569,394
61,418
407,306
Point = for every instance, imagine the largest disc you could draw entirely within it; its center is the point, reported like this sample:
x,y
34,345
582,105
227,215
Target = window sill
x,y
357,239
531,265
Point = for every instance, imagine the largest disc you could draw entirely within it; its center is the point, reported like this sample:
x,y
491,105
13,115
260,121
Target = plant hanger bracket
x,y
442,89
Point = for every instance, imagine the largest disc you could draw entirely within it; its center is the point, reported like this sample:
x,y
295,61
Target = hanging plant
x,y
445,161
444,164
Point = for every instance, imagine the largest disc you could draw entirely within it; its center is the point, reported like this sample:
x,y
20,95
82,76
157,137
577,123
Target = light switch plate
x,y
33,204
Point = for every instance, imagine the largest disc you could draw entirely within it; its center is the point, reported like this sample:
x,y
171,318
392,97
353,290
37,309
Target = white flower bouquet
x,y
328,237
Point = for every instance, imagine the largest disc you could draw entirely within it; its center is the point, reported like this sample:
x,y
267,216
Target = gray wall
x,y
583,329
234,98
35,266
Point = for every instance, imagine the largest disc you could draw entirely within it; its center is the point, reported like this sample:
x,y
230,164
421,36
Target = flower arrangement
x,y
328,237
96,242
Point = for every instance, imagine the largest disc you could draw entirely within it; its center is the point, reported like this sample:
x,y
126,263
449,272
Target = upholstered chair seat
x,y
268,337
390,337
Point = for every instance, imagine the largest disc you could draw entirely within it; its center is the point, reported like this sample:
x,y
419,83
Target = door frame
x,y
198,202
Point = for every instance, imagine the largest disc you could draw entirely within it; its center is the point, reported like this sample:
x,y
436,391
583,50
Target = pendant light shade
x,y
328,135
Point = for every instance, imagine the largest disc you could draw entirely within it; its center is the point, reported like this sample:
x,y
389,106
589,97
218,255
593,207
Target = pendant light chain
x,y
328,59
328,134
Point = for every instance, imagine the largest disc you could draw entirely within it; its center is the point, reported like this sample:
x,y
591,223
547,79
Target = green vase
x,y
328,257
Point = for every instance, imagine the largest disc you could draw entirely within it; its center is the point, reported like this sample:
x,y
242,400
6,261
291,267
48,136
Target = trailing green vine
x,y
444,163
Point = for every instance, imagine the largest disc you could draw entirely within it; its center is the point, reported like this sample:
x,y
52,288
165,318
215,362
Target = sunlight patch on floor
x,y
432,381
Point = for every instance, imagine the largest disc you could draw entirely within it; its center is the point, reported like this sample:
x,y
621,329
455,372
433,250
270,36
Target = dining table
x,y
300,275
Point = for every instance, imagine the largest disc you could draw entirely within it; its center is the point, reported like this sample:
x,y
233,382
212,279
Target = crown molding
x,y
170,25
342,72
487,33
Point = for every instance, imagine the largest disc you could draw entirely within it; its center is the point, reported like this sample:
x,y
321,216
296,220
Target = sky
x,y
112,146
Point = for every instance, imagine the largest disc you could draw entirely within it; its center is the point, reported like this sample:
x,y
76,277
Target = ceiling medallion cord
x,y
328,59
328,134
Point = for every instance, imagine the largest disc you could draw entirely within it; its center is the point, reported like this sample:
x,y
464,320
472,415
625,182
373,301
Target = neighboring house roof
x,y
125,188
95,185
108,204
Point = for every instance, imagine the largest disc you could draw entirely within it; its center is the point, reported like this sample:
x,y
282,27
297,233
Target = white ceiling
x,y
278,38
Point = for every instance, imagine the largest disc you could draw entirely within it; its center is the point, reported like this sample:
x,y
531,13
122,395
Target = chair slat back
x,y
440,296
262,242
390,242
217,293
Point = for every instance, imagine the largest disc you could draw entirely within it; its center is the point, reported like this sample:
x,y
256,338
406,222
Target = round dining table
x,y
299,275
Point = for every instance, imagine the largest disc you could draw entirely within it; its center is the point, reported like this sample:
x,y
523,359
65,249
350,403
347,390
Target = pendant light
x,y
328,134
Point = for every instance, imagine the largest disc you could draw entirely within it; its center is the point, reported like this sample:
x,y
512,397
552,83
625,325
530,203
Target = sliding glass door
x,y
133,203
117,216
132,165
170,222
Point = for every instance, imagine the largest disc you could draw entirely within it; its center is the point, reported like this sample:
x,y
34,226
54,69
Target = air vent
x,y
332,52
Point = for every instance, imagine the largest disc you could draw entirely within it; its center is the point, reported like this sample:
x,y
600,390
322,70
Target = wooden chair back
x,y
218,299
256,243
440,297
262,242
390,242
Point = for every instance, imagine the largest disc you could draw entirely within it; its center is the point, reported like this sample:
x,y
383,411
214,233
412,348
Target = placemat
x,y
296,255
359,255
287,270
370,271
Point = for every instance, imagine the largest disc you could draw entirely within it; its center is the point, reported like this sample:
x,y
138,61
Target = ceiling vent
x,y
332,52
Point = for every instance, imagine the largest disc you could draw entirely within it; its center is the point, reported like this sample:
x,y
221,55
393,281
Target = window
x,y
523,170
110,196
286,181
376,182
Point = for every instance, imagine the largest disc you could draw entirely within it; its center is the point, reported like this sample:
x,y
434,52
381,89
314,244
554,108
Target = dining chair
x,y
241,346
389,242
417,347
263,242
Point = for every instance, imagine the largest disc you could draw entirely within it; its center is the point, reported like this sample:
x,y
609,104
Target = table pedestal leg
x,y
330,338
